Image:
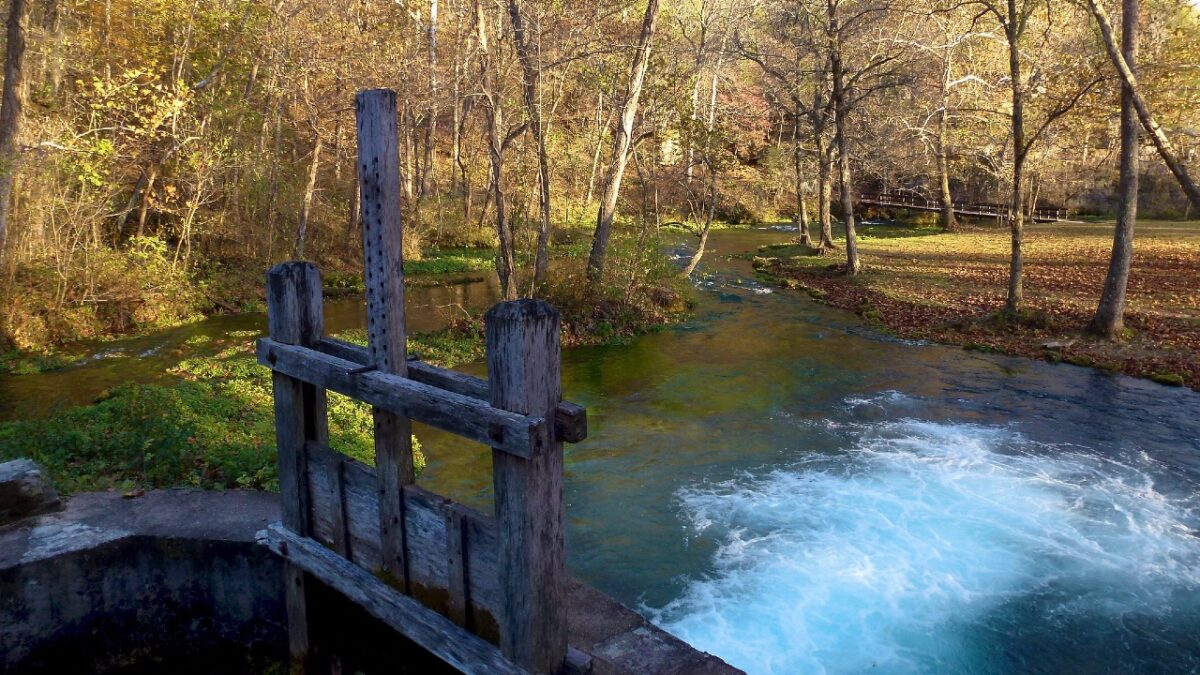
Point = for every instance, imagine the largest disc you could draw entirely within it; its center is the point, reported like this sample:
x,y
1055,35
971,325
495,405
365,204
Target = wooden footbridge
x,y
916,202
483,594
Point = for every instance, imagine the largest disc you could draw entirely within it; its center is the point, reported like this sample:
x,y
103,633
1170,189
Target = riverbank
x,y
921,283
207,422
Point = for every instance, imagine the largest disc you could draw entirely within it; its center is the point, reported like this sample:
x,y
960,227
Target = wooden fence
x,y
397,550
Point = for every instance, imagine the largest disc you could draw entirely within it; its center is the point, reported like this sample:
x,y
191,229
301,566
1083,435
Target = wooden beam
x,y
383,275
523,359
295,317
464,651
570,419
513,433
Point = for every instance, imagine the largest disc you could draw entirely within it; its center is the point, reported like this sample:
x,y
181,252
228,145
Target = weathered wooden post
x,y
523,374
295,316
383,260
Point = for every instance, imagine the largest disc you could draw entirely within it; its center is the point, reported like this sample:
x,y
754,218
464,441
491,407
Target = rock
x,y
24,491
1057,344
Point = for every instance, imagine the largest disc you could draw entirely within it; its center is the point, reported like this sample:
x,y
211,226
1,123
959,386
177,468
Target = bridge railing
x,y
918,202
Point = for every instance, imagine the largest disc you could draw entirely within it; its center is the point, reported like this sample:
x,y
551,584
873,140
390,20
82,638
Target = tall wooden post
x,y
523,373
295,316
383,247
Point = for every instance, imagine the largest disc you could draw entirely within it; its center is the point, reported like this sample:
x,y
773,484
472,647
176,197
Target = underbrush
x,y
98,292
641,291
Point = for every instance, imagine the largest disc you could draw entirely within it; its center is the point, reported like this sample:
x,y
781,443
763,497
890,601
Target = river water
x,y
780,485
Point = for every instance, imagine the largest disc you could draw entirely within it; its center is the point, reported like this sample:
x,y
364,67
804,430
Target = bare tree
x,y
531,71
1110,314
622,139
1129,81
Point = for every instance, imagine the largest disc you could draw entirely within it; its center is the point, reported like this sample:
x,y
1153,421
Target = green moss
x,y
16,362
1172,379
452,261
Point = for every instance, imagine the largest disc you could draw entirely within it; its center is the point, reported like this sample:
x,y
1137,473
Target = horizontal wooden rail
x,y
990,210
462,650
570,419
472,418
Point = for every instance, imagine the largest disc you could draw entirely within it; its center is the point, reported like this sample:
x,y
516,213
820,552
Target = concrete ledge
x,y
169,578
175,577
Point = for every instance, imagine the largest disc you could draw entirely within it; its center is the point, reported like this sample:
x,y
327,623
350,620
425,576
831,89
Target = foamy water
x,y
928,547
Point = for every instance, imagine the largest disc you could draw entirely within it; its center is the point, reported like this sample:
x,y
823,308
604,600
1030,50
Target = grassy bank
x,y
214,427
948,287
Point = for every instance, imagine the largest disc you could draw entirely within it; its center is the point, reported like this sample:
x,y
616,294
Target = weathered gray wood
x,y
295,316
472,418
460,649
24,490
327,485
383,258
570,419
523,373
425,521
457,602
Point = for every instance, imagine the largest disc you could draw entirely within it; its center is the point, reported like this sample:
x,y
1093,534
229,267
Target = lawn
x,y
948,287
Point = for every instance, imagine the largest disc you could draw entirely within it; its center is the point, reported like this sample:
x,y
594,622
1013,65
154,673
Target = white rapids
x,y
916,546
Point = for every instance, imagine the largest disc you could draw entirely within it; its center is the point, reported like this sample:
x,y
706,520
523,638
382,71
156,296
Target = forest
x,y
158,155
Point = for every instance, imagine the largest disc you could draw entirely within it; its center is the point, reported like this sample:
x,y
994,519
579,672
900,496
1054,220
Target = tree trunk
x,y
431,111
710,165
408,155
505,260
1157,135
801,210
1016,207
1109,320
600,126
533,108
621,141
708,221
840,113
825,192
353,215
948,222
11,113
144,203
306,205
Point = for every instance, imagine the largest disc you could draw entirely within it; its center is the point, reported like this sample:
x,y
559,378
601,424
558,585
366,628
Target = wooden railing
x,y
919,203
370,533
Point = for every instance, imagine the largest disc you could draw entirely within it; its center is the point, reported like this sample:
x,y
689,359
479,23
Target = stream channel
x,y
782,485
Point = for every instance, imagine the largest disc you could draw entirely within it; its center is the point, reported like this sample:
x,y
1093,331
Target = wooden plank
x,y
458,602
472,418
425,522
458,648
383,275
523,371
327,484
295,316
570,419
